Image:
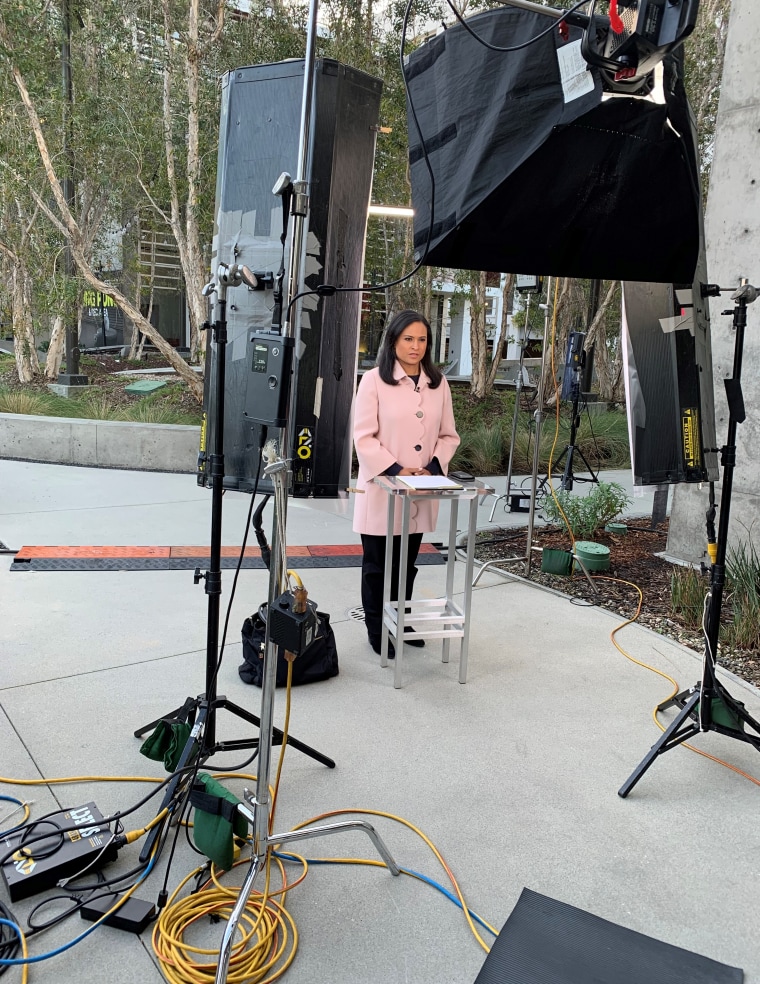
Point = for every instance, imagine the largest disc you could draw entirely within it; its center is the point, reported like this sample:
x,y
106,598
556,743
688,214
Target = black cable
x,y
261,537
36,928
105,821
183,807
28,828
10,944
525,44
262,442
328,290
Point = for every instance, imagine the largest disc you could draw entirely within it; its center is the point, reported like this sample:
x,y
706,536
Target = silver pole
x,y
278,471
536,8
299,211
516,414
538,416
300,207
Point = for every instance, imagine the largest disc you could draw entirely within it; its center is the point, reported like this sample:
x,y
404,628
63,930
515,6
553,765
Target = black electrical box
x,y
268,388
133,915
294,631
45,862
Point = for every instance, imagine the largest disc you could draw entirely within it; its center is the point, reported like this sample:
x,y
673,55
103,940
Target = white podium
x,y
436,618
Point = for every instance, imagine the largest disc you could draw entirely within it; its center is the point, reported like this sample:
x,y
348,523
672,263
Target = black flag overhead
x,y
538,167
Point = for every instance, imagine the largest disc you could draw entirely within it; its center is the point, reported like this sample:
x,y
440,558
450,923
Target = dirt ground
x,y
633,559
103,369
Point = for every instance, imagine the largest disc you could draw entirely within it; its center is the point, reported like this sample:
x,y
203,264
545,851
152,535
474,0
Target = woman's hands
x,y
414,471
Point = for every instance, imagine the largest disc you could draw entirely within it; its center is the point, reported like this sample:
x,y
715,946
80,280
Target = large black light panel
x,y
259,137
536,167
669,391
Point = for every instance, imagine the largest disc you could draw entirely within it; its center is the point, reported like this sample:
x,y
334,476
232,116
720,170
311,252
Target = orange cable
x,y
692,748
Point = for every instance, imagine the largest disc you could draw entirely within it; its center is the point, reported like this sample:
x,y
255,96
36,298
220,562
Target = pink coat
x,y
390,424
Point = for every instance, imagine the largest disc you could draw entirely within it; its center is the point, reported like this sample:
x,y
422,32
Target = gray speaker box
x,y
259,138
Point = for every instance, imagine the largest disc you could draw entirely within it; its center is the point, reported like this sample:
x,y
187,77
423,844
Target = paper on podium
x,y
422,483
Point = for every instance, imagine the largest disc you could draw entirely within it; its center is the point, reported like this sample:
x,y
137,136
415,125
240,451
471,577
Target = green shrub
x,y
586,514
743,597
148,411
688,589
22,401
482,450
93,405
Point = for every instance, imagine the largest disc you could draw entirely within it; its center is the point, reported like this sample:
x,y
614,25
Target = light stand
x,y
260,803
571,388
201,711
708,706
519,382
571,449
527,557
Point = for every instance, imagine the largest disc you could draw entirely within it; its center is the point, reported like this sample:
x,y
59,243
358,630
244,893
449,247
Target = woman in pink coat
x,y
403,425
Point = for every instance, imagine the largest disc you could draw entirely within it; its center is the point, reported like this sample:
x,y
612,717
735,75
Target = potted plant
x,y
583,515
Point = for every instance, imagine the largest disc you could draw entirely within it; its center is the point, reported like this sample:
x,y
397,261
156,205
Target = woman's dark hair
x,y
386,357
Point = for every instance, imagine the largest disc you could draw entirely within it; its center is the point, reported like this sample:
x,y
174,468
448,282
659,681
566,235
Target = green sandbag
x,y
217,820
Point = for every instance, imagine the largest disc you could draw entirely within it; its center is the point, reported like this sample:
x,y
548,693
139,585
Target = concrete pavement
x,y
513,775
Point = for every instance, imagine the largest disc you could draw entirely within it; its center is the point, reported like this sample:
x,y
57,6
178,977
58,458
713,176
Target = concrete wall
x,y
99,443
732,228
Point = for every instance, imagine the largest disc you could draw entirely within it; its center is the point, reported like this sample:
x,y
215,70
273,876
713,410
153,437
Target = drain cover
x,y
356,613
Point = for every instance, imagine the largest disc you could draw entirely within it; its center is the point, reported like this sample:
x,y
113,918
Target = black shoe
x,y
419,643
376,646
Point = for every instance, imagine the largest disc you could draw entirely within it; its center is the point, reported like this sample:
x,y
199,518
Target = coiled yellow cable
x,y
268,934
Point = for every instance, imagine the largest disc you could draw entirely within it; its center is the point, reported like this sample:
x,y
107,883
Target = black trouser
x,y
373,572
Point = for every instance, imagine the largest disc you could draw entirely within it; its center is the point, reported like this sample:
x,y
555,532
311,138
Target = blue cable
x,y
66,946
407,871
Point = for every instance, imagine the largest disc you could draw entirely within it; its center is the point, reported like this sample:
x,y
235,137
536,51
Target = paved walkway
x,y
513,776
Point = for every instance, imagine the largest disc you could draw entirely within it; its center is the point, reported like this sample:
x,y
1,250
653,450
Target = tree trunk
x,y
69,228
193,380
25,347
54,355
507,291
557,305
186,233
478,346
608,372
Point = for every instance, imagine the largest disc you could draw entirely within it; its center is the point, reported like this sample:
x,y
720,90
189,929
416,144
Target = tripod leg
x,y
183,713
669,739
544,482
567,475
589,469
277,735
191,749
678,700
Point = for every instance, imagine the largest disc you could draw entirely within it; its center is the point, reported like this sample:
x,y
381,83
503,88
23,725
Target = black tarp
x,y
528,178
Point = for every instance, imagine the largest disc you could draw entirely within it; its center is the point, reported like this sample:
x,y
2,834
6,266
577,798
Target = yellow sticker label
x,y
23,864
690,431
304,444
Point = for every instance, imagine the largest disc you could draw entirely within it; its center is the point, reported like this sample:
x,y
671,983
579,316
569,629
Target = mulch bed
x,y
633,558
103,370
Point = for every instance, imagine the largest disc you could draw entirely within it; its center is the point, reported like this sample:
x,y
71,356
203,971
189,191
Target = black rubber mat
x,y
188,563
549,942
